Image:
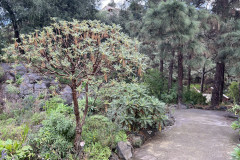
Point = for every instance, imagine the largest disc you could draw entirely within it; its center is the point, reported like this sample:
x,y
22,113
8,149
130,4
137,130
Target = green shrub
x,y
55,139
236,124
233,91
193,97
132,107
15,149
158,86
37,118
9,129
94,105
96,151
28,102
236,153
56,104
99,129
11,89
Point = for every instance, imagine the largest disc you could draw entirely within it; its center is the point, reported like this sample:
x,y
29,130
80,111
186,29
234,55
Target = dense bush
x,y
99,129
233,91
130,106
15,149
193,97
158,86
54,139
101,136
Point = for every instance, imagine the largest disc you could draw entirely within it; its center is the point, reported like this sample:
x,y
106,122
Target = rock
x,y
66,94
124,150
222,108
231,115
114,156
136,140
21,70
170,120
26,89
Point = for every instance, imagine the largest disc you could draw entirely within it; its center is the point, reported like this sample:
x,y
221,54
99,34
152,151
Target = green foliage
x,y
15,150
233,91
94,105
11,89
193,97
158,86
96,151
55,138
28,102
37,118
99,129
236,124
131,107
10,130
236,154
56,104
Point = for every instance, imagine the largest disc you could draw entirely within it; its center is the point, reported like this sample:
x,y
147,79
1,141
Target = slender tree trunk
x,y
216,87
189,72
222,82
8,8
78,131
180,77
79,122
238,92
161,67
202,79
170,72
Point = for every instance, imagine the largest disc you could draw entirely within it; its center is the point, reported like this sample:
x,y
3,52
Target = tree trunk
x,y
79,122
78,131
221,83
217,85
202,79
8,8
161,67
189,72
238,92
180,77
170,72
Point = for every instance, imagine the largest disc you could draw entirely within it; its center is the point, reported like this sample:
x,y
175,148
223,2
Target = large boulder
x,y
125,150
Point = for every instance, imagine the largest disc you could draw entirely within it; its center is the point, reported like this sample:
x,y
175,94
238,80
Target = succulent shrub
x,y
80,52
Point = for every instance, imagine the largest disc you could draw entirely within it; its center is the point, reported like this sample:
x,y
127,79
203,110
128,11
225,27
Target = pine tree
x,y
173,23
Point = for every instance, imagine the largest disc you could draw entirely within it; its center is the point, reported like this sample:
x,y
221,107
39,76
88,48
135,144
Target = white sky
x,y
105,2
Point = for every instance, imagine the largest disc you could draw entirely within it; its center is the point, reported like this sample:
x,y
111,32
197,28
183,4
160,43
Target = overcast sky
x,y
105,2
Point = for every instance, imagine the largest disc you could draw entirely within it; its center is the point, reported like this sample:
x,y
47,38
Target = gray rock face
x,y
66,94
125,150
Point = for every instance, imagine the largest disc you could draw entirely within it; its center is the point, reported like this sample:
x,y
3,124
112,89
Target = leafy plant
x,y
236,154
96,151
55,139
130,106
193,97
233,91
99,129
37,118
15,149
81,52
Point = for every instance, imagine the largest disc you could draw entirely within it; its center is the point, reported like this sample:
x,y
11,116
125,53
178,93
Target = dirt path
x,y
196,135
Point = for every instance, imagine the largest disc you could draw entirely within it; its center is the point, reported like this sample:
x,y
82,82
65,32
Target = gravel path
x,y
196,135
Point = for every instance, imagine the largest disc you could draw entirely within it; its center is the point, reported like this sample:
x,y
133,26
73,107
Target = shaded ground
x,y
196,135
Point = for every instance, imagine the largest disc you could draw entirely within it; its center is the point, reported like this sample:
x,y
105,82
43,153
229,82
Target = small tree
x,y
81,52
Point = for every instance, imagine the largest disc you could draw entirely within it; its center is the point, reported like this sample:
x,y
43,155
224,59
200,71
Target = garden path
x,y
196,135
